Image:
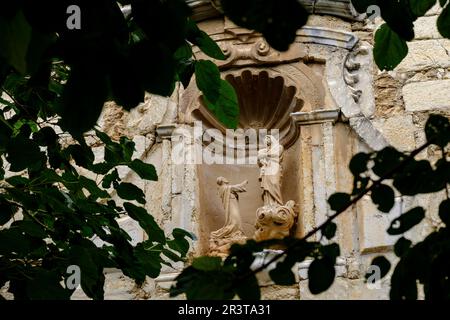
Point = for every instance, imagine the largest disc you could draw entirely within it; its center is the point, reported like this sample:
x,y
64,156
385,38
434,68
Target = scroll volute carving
x,y
243,47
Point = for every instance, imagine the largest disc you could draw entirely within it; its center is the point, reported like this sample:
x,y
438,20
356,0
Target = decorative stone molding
x,y
205,9
349,78
165,131
351,68
339,8
326,36
243,47
315,117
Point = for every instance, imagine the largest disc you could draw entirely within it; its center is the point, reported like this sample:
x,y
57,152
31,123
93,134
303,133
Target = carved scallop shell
x,y
265,102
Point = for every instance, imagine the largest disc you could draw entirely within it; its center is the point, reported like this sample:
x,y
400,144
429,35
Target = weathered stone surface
x,y
422,96
280,293
426,28
346,289
373,225
398,131
388,95
426,54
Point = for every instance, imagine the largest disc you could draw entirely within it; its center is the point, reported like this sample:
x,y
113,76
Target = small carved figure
x,y
222,239
274,220
269,160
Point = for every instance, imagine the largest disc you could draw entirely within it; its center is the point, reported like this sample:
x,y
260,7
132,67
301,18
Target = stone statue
x,y
222,239
273,220
269,160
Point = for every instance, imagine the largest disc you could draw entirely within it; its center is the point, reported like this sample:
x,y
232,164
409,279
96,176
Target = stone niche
x,y
318,94
268,96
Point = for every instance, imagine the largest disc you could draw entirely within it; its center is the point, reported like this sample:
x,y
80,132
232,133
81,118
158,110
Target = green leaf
x,y
339,201
45,137
401,246
212,285
248,289
389,48
443,22
154,67
399,17
111,178
384,197
207,263
7,211
180,233
46,285
150,260
83,98
18,181
128,147
23,153
13,240
406,221
179,245
94,190
362,5
38,46
144,170
330,230
444,212
146,221
126,88
203,41
82,155
277,20
172,255
437,130
92,277
383,264
226,109
15,37
321,274
208,80
129,191
420,7
101,168
163,21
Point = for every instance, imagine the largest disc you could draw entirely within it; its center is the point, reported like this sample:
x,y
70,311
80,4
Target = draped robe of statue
x,y
230,200
269,160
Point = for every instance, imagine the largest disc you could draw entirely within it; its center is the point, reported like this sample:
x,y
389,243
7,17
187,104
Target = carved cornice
x,y
327,36
243,47
207,9
316,116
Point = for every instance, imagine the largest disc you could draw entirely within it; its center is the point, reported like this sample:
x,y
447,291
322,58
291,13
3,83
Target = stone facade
x,y
343,105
